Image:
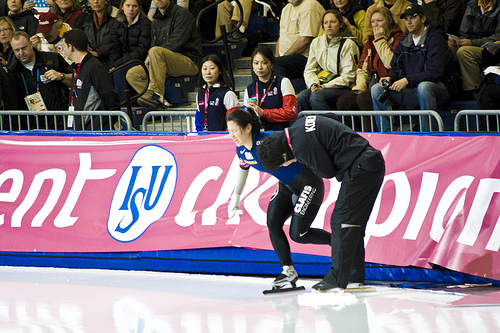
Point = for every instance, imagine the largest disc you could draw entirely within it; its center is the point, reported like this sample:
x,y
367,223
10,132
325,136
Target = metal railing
x,y
405,120
16,120
183,120
223,36
169,121
481,120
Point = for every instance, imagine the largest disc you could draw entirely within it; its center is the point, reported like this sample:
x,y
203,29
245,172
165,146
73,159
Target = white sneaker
x,y
288,275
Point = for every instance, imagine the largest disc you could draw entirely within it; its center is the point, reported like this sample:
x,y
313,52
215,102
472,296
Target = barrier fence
x,y
184,120
169,121
481,120
408,120
65,120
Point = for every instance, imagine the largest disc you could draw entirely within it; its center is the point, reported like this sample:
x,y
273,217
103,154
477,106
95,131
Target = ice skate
x,y
325,287
286,281
355,287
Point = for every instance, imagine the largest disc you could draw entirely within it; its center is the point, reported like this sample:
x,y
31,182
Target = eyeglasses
x,y
5,30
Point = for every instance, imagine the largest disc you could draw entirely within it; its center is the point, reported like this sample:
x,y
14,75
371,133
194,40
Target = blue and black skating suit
x,y
299,194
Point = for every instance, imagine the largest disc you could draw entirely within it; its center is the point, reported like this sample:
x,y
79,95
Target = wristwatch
x,y
62,76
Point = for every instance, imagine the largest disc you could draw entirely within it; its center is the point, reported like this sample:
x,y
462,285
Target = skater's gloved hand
x,y
234,204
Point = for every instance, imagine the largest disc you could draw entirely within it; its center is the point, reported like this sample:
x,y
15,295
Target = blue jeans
x,y
120,82
324,99
426,96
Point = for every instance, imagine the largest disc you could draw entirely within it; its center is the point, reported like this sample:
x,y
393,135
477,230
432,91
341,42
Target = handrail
x,y
47,115
188,115
390,114
223,35
207,8
140,63
477,113
128,100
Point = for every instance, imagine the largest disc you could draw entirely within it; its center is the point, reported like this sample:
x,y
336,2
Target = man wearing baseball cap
x,y
48,36
419,65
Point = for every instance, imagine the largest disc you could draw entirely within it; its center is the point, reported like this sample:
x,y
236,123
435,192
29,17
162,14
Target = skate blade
x,y
361,289
283,290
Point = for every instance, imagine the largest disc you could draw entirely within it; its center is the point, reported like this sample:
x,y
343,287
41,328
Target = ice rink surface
x,y
85,300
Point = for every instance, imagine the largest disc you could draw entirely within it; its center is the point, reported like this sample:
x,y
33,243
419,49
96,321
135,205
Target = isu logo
x,y
143,193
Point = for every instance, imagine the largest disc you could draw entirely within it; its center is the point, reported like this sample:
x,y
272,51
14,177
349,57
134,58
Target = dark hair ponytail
x,y
243,117
267,54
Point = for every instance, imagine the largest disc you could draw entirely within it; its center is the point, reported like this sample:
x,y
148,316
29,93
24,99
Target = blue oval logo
x,y
143,193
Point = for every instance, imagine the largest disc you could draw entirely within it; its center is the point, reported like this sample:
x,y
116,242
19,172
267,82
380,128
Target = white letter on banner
x,y
448,198
333,193
252,202
209,216
58,178
64,218
251,184
17,184
485,190
402,191
186,216
425,196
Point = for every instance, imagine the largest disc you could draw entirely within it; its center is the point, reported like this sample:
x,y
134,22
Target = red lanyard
x,y
77,71
265,94
287,134
207,101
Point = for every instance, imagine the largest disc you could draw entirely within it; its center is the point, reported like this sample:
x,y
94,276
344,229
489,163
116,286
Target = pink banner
x,y
439,203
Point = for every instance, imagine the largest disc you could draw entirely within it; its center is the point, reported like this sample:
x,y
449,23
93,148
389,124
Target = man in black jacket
x,y
44,72
91,86
175,51
331,149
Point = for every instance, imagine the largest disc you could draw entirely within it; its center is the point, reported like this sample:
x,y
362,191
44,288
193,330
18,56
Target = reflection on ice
x,y
64,300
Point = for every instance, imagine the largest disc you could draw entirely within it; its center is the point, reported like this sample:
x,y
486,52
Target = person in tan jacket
x,y
333,55
397,7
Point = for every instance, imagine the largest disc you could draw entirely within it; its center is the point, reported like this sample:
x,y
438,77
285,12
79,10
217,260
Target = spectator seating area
x,y
181,92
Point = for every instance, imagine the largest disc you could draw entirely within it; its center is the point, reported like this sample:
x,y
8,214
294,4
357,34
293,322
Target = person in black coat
x,y
91,86
24,19
49,75
103,32
135,40
331,149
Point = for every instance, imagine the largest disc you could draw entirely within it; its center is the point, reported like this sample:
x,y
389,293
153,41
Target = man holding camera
x,y
418,67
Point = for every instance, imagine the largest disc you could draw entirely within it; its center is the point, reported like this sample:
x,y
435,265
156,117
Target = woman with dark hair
x,y
24,19
271,96
331,67
375,60
135,41
215,100
295,180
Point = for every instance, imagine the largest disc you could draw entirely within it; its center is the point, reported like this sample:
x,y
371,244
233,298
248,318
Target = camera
x,y
384,94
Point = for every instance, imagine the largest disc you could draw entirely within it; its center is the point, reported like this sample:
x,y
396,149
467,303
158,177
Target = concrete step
x,y
242,73
192,96
243,63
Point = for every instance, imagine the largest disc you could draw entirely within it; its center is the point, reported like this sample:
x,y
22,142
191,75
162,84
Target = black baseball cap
x,y
412,9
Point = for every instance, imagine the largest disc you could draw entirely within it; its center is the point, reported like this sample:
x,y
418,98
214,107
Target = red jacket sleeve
x,y
286,112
